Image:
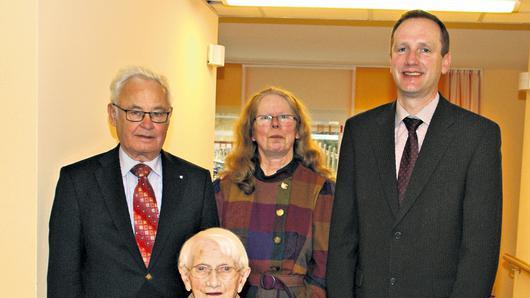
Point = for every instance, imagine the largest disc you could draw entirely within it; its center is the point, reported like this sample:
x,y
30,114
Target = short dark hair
x,y
421,14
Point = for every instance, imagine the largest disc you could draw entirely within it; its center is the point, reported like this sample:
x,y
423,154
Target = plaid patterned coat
x,y
284,225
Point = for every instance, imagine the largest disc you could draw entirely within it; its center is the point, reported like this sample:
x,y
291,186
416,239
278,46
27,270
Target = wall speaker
x,y
216,55
524,81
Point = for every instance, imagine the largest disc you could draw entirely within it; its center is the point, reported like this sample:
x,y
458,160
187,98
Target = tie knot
x,y
141,170
412,123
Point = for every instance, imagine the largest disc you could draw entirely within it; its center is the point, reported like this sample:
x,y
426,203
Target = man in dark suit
x,y
119,218
417,211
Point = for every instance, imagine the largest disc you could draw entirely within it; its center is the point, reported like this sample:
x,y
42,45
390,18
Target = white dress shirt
x,y
130,181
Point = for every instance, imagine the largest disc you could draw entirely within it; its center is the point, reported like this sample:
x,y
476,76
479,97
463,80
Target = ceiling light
x,y
431,5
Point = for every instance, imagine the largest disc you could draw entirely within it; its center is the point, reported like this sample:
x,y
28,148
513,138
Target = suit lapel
x,y
383,148
439,135
173,179
110,181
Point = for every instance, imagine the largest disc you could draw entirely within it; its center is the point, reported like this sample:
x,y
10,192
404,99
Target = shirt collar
x,y
127,163
425,114
286,171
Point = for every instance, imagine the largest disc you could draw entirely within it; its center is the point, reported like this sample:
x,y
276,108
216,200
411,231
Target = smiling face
x,y
143,140
416,60
214,285
274,139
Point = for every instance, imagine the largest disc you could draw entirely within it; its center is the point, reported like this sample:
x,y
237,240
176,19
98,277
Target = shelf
x,y
327,137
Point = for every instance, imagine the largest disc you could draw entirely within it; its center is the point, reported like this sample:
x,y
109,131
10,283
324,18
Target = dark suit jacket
x,y
444,239
93,252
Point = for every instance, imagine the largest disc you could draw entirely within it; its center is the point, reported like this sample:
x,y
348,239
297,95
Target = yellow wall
x,y
81,46
229,81
18,86
326,92
501,103
374,86
521,287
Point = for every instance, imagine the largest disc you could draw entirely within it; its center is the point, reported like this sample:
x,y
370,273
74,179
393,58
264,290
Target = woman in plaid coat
x,y
276,195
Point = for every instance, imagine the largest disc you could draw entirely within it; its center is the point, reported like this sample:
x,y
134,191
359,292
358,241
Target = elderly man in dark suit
x,y
417,209
119,218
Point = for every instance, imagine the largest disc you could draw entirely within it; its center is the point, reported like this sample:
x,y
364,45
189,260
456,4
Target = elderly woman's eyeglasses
x,y
138,116
284,119
203,271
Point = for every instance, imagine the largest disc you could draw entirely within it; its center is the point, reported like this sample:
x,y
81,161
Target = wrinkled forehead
x,y
272,103
208,252
139,91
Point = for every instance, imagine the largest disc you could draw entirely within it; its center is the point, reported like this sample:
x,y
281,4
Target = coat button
x,y
148,276
393,281
279,212
284,185
397,235
277,239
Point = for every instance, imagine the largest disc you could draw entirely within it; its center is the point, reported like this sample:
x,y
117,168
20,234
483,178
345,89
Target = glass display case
x,y
327,136
224,123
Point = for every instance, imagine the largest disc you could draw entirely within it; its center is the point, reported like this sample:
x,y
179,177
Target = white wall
x,y
18,202
82,44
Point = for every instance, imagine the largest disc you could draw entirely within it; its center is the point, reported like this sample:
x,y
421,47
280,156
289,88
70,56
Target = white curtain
x,y
463,88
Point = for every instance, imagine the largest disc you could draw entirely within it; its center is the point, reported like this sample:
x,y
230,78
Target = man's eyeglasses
x,y
284,119
138,116
202,271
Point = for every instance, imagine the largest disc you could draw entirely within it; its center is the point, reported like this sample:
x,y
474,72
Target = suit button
x,y
148,276
393,281
397,235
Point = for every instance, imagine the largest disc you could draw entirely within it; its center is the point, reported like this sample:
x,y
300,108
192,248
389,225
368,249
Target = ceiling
x,y
519,20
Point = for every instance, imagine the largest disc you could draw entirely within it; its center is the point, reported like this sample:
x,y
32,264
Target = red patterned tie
x,y
410,154
145,212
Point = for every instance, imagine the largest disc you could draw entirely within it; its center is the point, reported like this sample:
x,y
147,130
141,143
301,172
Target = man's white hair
x,y
125,74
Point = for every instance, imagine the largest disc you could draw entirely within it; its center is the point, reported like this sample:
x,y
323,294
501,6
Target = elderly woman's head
x,y
273,123
214,262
